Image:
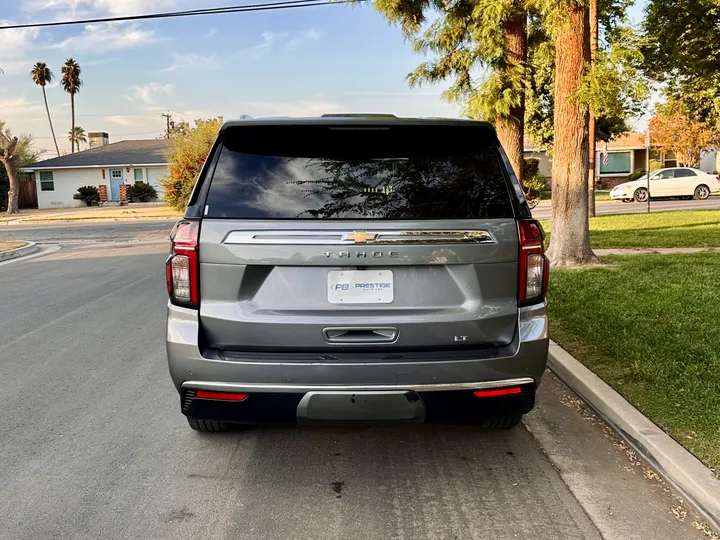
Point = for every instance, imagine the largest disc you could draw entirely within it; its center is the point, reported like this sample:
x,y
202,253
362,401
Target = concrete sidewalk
x,y
132,211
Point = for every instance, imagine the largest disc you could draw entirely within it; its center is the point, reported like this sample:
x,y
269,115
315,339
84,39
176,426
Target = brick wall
x,y
103,193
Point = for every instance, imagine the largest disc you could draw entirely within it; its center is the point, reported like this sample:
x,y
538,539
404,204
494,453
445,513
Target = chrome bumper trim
x,y
241,387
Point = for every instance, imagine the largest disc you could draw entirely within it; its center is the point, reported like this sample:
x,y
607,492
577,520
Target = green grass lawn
x,y
649,325
687,228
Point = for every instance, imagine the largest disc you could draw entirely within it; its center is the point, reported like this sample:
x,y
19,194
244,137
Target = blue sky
x,y
288,62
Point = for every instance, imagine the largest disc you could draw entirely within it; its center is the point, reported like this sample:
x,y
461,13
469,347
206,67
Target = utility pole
x,y
647,165
591,127
168,121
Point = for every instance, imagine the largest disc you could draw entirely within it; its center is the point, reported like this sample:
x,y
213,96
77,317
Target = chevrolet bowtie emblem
x,y
360,237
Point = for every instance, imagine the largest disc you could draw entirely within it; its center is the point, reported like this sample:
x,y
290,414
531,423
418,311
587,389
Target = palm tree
x,y
77,136
71,84
42,75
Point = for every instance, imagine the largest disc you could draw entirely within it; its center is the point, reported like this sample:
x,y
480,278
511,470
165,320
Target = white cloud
x,y
384,95
19,107
211,32
14,48
125,119
150,92
293,108
78,8
191,60
280,40
294,42
107,36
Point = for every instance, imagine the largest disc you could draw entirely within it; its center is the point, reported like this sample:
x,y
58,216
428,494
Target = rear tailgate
x,y
353,239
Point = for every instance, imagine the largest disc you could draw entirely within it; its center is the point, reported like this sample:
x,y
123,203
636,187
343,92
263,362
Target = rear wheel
x,y
209,426
502,422
702,192
641,194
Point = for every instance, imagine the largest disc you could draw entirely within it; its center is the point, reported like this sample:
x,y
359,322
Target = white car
x,y
682,182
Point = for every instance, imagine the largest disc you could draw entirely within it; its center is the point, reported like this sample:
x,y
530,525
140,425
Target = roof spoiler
x,y
356,115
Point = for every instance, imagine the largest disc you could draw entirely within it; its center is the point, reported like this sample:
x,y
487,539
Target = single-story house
x,y
626,154
104,164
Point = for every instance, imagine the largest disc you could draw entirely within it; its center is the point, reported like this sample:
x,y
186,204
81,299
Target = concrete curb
x,y
683,471
32,247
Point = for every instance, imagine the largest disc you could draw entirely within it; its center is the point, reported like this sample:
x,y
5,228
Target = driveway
x,y
93,444
544,211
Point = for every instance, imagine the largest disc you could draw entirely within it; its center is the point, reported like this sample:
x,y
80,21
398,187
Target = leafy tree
x,y
71,83
464,35
189,148
672,129
77,136
682,49
15,153
42,75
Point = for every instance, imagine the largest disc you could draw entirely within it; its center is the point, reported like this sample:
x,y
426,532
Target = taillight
x,y
220,396
498,392
533,264
182,265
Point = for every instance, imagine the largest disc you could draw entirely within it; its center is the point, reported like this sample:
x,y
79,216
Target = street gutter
x,y
31,247
678,467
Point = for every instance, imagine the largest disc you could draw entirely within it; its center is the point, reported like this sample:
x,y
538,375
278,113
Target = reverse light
x,y
498,392
533,264
220,396
182,265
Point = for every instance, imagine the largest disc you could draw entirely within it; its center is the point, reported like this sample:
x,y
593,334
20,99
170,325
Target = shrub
x,y
88,194
655,164
142,191
637,173
188,150
534,186
531,167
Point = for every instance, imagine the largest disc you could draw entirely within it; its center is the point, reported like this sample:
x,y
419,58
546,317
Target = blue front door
x,y
116,178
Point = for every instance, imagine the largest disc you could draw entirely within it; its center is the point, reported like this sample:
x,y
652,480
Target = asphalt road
x,y
617,207
93,444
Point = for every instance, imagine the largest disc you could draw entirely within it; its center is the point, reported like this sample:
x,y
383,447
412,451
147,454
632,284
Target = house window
x,y
670,160
138,176
617,163
46,181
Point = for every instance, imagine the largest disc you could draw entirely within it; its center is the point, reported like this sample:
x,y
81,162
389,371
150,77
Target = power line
x,y
269,6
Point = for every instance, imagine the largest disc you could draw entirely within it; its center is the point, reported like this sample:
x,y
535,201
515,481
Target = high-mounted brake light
x,y
533,264
182,265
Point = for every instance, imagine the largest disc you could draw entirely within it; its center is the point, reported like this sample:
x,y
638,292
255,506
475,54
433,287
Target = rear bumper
x,y
522,362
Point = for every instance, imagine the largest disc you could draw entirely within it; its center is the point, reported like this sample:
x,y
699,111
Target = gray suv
x,y
356,269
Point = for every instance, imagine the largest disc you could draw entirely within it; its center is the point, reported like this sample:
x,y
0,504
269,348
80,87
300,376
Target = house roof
x,y
629,141
119,154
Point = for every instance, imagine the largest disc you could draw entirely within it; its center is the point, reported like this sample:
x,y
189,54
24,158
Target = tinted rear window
x,y
321,172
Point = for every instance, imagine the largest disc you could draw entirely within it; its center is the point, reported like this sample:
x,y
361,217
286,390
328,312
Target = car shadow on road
x,y
426,481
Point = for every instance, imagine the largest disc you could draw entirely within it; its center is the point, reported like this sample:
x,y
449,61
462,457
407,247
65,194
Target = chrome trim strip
x,y
253,387
349,238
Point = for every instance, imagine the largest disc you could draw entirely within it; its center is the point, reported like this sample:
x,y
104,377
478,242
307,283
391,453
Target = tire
x,y
628,200
702,192
208,426
502,422
641,195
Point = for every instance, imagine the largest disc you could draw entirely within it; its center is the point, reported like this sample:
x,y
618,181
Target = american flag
x,y
605,156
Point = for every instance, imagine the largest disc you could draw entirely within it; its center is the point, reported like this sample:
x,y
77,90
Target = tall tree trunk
x,y
52,131
570,237
511,132
591,129
8,160
72,129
